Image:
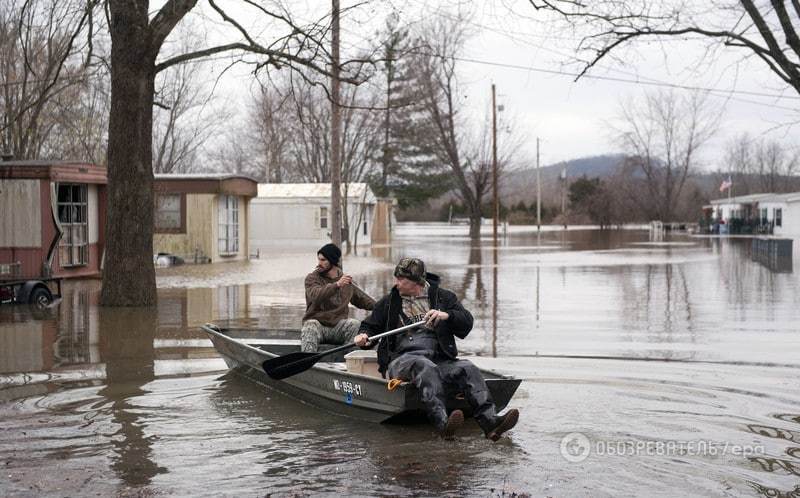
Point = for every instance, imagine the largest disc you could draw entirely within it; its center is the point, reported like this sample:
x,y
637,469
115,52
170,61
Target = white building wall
x,y
791,220
771,211
93,213
296,222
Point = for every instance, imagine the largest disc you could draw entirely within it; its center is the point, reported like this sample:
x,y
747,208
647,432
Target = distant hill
x,y
520,185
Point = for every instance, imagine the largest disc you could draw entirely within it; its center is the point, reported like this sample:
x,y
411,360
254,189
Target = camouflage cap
x,y
412,269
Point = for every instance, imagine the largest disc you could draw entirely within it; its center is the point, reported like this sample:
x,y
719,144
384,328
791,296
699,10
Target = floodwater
x,y
650,367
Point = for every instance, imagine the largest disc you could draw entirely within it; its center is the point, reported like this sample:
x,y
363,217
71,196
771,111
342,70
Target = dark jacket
x,y
328,303
386,316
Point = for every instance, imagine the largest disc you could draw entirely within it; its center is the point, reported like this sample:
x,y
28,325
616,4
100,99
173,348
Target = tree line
x,y
105,81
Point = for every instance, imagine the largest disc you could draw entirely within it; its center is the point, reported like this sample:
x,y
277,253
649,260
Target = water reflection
x,y
589,301
127,348
784,465
300,450
495,291
79,340
768,492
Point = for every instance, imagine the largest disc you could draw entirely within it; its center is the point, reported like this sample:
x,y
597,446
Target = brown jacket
x,y
327,303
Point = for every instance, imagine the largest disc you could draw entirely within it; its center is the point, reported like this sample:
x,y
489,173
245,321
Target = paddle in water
x,y
290,364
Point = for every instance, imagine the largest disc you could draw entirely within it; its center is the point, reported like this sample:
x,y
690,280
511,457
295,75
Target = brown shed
x,y
52,219
202,217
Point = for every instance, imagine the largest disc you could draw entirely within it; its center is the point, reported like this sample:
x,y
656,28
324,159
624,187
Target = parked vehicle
x,y
39,292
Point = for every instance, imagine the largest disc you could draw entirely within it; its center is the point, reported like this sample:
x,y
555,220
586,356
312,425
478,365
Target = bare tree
x,y
180,125
137,36
738,163
439,98
235,151
39,71
662,135
766,30
454,141
296,117
773,165
80,115
759,165
271,118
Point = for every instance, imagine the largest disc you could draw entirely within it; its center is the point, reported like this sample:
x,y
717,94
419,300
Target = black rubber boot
x,y
454,421
501,424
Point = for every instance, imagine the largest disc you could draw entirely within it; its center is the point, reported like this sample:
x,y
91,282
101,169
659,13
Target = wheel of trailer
x,y
40,297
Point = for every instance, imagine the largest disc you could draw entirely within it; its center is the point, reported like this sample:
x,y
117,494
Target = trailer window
x,y
169,213
228,225
73,248
323,217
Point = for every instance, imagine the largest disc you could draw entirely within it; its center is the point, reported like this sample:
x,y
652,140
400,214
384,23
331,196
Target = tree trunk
x,y
475,219
129,274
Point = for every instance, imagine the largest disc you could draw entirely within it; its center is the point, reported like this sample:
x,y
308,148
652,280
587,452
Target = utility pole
x,y
564,194
538,190
495,201
336,166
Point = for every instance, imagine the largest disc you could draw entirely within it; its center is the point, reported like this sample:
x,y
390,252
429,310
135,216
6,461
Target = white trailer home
x,y
778,213
783,212
298,214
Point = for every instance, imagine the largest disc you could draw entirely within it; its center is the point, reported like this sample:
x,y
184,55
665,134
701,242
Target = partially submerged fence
x,y
775,254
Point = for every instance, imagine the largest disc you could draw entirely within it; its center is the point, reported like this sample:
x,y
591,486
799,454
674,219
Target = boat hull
x,y
331,387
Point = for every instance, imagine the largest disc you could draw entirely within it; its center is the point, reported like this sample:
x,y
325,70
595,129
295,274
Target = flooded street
x,y
650,368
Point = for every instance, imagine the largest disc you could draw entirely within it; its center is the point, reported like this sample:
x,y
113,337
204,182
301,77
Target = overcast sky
x,y
518,50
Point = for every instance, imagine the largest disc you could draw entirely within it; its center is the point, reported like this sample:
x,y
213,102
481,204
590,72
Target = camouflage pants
x,y
313,333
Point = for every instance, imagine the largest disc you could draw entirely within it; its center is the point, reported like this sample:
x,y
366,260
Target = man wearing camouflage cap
x,y
427,356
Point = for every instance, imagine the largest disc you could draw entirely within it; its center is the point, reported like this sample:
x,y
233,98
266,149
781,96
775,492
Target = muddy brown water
x,y
651,368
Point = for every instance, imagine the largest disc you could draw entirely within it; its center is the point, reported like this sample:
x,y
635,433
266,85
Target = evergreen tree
x,y
409,168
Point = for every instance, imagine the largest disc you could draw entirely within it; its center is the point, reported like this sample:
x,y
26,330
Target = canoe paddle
x,y
290,364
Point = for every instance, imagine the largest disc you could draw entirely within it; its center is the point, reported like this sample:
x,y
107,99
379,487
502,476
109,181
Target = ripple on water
x,y
227,434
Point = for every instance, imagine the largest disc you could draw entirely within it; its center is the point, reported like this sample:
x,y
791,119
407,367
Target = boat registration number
x,y
347,387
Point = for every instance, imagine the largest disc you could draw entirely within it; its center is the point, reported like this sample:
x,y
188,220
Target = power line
x,y
517,37
616,79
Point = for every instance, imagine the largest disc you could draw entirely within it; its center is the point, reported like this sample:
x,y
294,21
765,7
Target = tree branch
x,y
166,20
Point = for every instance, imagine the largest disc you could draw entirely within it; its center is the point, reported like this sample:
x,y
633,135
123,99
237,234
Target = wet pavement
x,y
651,367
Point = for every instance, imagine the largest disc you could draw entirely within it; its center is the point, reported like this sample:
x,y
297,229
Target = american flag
x,y
726,184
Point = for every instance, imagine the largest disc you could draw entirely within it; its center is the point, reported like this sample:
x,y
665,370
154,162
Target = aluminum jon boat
x,y
348,388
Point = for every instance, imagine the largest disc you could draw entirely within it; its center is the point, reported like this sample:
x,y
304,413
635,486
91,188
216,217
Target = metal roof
x,y
43,162
790,197
201,176
313,190
743,199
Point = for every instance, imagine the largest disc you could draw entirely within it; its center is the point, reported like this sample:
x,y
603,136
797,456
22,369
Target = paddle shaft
x,y
378,336
290,364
